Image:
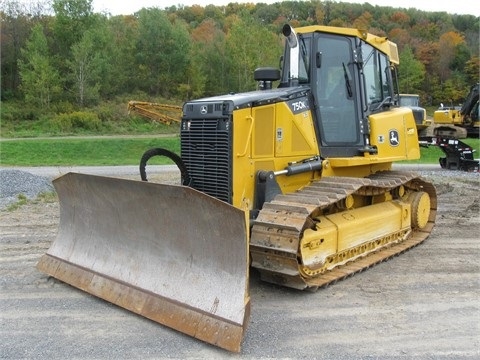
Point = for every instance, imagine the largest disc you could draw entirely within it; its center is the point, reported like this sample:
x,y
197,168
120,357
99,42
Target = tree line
x,y
62,54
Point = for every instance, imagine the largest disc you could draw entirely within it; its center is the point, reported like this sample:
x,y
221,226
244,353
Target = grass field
x,y
431,154
122,151
83,152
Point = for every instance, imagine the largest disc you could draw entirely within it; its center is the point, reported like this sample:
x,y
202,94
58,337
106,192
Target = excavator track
x,y
277,246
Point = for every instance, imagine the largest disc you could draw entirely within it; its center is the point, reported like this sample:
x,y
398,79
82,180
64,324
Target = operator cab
x,y
349,80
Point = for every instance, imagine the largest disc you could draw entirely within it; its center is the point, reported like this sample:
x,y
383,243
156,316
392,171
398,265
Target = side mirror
x,y
265,76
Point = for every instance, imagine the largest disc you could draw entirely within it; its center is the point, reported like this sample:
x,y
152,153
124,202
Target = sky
x,y
118,7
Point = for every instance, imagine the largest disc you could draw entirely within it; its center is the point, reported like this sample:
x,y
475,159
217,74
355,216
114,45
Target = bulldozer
x,y
413,101
292,180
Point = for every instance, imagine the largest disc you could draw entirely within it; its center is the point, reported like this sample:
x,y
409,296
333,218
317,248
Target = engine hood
x,y
232,101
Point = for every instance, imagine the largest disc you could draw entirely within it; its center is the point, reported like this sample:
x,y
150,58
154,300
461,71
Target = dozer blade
x,y
169,253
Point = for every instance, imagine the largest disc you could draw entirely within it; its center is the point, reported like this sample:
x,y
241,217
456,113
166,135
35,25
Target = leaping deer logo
x,y
393,136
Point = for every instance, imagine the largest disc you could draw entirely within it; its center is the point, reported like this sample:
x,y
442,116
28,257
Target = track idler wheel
x,y
420,202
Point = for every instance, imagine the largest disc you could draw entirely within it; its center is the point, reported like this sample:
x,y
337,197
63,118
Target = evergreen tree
x,y
40,81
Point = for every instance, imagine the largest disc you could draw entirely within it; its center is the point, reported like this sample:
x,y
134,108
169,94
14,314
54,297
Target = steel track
x,y
278,229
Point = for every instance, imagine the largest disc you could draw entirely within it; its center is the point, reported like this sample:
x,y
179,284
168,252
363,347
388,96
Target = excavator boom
x,y
184,266
162,113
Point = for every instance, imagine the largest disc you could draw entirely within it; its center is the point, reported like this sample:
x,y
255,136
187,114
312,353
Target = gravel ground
x,y
32,181
16,182
422,304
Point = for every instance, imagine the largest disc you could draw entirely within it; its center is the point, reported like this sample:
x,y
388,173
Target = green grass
x,y
121,151
431,154
83,152
19,121
21,200
44,197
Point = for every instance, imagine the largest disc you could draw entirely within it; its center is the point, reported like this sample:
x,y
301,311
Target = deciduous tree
x,y
448,43
411,72
249,46
162,53
91,64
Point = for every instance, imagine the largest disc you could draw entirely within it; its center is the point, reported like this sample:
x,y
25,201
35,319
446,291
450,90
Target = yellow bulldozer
x,y
419,113
294,180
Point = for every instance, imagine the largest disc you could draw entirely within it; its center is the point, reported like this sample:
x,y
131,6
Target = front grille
x,y
206,146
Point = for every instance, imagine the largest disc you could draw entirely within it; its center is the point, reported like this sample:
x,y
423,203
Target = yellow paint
x,y
348,231
270,137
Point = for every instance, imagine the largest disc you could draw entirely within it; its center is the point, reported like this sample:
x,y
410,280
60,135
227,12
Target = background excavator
x,y
294,181
463,120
